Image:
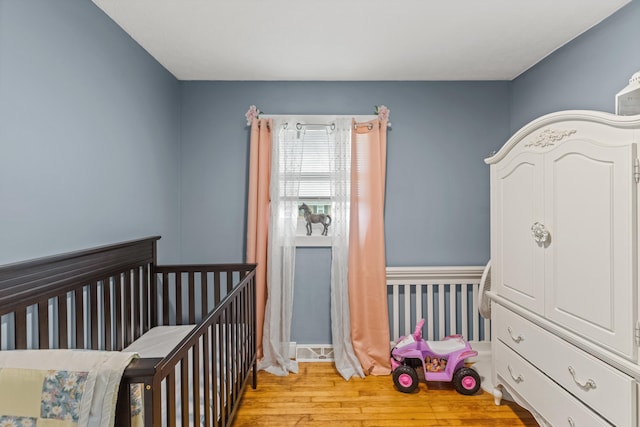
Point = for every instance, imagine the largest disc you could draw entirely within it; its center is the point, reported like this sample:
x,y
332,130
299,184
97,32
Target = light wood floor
x,y
318,396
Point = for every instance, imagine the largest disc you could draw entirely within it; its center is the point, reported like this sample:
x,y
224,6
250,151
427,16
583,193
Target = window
x,y
314,147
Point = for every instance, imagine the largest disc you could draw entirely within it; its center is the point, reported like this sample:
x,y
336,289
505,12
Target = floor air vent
x,y
314,353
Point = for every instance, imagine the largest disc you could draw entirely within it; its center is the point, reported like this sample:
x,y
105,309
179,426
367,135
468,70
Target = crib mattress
x,y
159,341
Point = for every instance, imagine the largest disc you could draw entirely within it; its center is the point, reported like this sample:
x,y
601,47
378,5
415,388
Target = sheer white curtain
x,y
285,184
345,359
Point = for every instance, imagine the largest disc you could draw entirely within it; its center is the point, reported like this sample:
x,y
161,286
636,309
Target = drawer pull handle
x,y
515,339
571,422
589,384
517,379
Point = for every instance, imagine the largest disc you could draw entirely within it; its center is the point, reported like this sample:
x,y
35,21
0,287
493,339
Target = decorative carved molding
x,y
549,137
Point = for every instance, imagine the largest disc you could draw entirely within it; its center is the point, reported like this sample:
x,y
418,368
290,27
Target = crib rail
x,y
90,299
211,363
446,297
107,297
188,292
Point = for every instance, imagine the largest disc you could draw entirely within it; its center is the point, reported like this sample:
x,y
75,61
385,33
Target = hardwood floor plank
x,y
318,396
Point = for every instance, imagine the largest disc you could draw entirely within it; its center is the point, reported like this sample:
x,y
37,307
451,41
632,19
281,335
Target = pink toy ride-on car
x,y
441,361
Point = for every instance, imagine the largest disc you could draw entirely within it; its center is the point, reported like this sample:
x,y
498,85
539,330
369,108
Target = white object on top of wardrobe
x,y
628,99
564,254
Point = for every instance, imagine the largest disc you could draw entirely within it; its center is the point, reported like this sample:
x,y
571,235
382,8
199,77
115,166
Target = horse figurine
x,y
312,218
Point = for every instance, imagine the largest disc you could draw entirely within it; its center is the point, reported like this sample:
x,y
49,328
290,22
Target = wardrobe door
x,y
518,269
590,211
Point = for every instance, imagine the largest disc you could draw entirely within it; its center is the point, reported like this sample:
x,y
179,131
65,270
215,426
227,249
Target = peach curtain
x,y
367,263
258,214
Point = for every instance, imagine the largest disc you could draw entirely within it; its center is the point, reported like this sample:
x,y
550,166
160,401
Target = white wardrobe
x,y
564,269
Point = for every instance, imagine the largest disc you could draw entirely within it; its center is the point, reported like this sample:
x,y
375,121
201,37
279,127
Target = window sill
x,y
312,241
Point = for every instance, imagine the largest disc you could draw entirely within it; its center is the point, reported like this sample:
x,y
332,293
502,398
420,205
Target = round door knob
x,y
539,232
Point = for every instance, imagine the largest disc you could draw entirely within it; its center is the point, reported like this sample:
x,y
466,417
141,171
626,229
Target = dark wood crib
x,y
106,298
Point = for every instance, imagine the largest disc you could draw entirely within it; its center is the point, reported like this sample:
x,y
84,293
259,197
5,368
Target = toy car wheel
x,y
466,381
405,378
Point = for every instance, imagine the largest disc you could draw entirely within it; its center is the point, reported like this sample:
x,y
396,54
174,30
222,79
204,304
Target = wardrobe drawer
x,y
556,406
601,386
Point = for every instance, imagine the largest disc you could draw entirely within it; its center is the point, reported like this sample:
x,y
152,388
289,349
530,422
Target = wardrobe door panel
x,y
589,213
518,206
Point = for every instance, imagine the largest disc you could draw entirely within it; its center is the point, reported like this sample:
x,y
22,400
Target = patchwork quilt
x,y
60,388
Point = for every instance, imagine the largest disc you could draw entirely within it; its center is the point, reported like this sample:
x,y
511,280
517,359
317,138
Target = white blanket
x,y
60,387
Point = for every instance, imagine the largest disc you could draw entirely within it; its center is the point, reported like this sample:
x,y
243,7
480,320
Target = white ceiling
x,y
354,39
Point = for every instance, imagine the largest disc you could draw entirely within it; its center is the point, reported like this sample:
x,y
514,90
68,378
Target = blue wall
x,y
99,144
437,204
89,134
585,74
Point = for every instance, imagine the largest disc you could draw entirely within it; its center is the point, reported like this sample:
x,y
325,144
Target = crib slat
x,y
206,362
135,282
123,410
119,331
171,398
184,385
20,319
43,325
430,313
227,358
78,302
229,281
216,288
179,318
449,307
216,379
235,339
452,309
153,299
63,327
153,416
128,332
419,313
464,316
396,315
192,302
224,387
407,308
231,339
244,337
204,297
441,322
196,381
251,298
93,314
230,359
146,298
108,319
474,310
165,299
